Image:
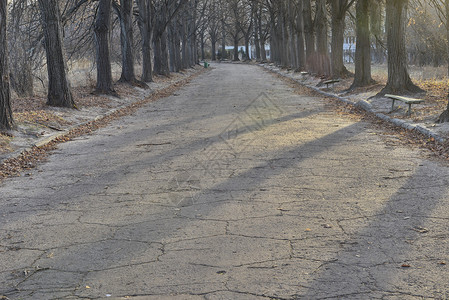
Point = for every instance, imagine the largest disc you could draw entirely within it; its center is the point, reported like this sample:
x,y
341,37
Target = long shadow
x,y
397,251
74,194
250,178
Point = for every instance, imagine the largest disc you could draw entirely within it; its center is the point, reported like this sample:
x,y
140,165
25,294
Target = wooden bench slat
x,y
406,100
332,81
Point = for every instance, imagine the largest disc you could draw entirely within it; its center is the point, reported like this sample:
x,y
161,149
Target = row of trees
x,y
171,35
75,28
299,32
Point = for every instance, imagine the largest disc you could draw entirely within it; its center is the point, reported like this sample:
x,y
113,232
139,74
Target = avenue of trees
x,y
164,36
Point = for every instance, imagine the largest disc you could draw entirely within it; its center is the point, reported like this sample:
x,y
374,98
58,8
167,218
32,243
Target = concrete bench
x,y
332,81
406,100
303,75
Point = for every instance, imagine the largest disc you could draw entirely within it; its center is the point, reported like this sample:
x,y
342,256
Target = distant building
x,y
252,51
349,49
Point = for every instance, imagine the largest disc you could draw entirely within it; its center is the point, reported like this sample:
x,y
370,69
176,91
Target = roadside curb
x,y
365,105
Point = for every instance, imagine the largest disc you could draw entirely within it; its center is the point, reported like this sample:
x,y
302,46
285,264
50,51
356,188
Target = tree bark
x,y
160,46
308,29
339,8
362,75
172,47
178,61
301,54
101,31
376,29
321,27
236,47
6,118
223,36
184,37
444,117
399,81
291,30
59,93
213,40
165,70
320,62
146,31
256,38
126,41
262,36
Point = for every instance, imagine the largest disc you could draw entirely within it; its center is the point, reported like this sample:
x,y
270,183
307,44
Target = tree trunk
x,y
203,44
399,81
6,119
236,47
223,39
320,62
172,48
444,117
157,53
126,41
165,70
321,27
184,49
376,29
262,37
177,44
308,29
248,55
301,54
160,46
292,57
213,40
146,30
59,93
256,39
338,29
101,31
362,75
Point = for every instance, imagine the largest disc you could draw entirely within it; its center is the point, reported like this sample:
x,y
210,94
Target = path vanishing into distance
x,y
235,187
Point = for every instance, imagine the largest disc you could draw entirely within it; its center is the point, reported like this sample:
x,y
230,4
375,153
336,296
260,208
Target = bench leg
x,y
392,105
409,109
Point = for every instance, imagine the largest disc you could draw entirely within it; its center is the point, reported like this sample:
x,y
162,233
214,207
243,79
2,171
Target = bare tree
x,y
399,81
444,117
213,26
125,14
339,9
59,93
102,30
146,11
363,48
6,119
235,30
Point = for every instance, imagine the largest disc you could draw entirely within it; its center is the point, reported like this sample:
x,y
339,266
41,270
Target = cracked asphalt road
x,y
234,188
